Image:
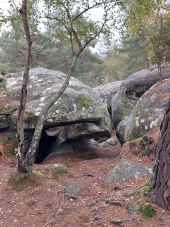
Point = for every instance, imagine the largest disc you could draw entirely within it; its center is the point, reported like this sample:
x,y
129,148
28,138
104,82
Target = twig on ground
x,y
53,214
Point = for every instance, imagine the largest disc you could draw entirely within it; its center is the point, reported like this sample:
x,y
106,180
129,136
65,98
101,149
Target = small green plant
x,y
59,170
2,84
84,101
122,114
147,211
145,190
1,142
30,113
135,134
2,71
10,153
19,181
145,149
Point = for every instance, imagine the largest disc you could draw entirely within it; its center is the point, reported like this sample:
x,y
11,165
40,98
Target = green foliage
x,y
122,114
10,153
59,170
2,71
149,20
145,149
145,190
126,58
84,101
30,113
135,133
133,96
3,84
147,211
1,142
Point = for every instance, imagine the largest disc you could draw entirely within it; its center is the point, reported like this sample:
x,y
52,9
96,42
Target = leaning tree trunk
x,y
161,180
51,99
23,95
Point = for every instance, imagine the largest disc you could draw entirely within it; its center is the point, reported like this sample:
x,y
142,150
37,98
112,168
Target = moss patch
x,y
84,101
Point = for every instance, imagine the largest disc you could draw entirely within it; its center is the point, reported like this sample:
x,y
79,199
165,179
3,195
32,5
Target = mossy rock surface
x,y
79,104
148,112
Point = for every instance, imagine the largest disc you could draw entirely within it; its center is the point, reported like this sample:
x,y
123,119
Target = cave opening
x,y
46,146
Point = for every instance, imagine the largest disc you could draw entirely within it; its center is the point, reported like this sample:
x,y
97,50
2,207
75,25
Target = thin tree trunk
x,y
147,58
30,157
161,180
23,95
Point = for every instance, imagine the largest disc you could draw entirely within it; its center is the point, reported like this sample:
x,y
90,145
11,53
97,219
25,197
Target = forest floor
x,y
48,204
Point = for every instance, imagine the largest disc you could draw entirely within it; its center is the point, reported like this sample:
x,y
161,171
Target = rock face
x,y
126,170
79,112
107,91
138,83
122,105
149,111
120,130
131,90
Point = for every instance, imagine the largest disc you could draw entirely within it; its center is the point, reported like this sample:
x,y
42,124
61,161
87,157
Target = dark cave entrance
x,y
46,146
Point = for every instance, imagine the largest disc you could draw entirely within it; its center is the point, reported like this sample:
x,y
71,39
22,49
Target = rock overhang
x,y
79,105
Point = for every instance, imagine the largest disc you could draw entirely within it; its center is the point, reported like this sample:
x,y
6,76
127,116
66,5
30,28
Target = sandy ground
x,y
48,204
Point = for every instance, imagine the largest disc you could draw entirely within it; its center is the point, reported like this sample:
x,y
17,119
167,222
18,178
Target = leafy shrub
x,y
147,211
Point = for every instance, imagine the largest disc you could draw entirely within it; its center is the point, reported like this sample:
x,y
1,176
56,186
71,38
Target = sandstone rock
x,y
138,83
110,142
108,90
120,130
149,111
132,89
80,111
73,188
126,170
122,106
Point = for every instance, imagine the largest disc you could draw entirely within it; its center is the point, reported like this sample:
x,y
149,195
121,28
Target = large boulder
x,y
132,89
107,91
122,106
138,83
120,130
80,111
149,111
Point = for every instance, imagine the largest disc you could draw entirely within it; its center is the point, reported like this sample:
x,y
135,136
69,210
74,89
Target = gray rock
x,y
120,130
121,106
115,202
125,171
107,91
149,111
73,188
117,221
110,142
3,122
80,111
124,101
56,168
139,82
